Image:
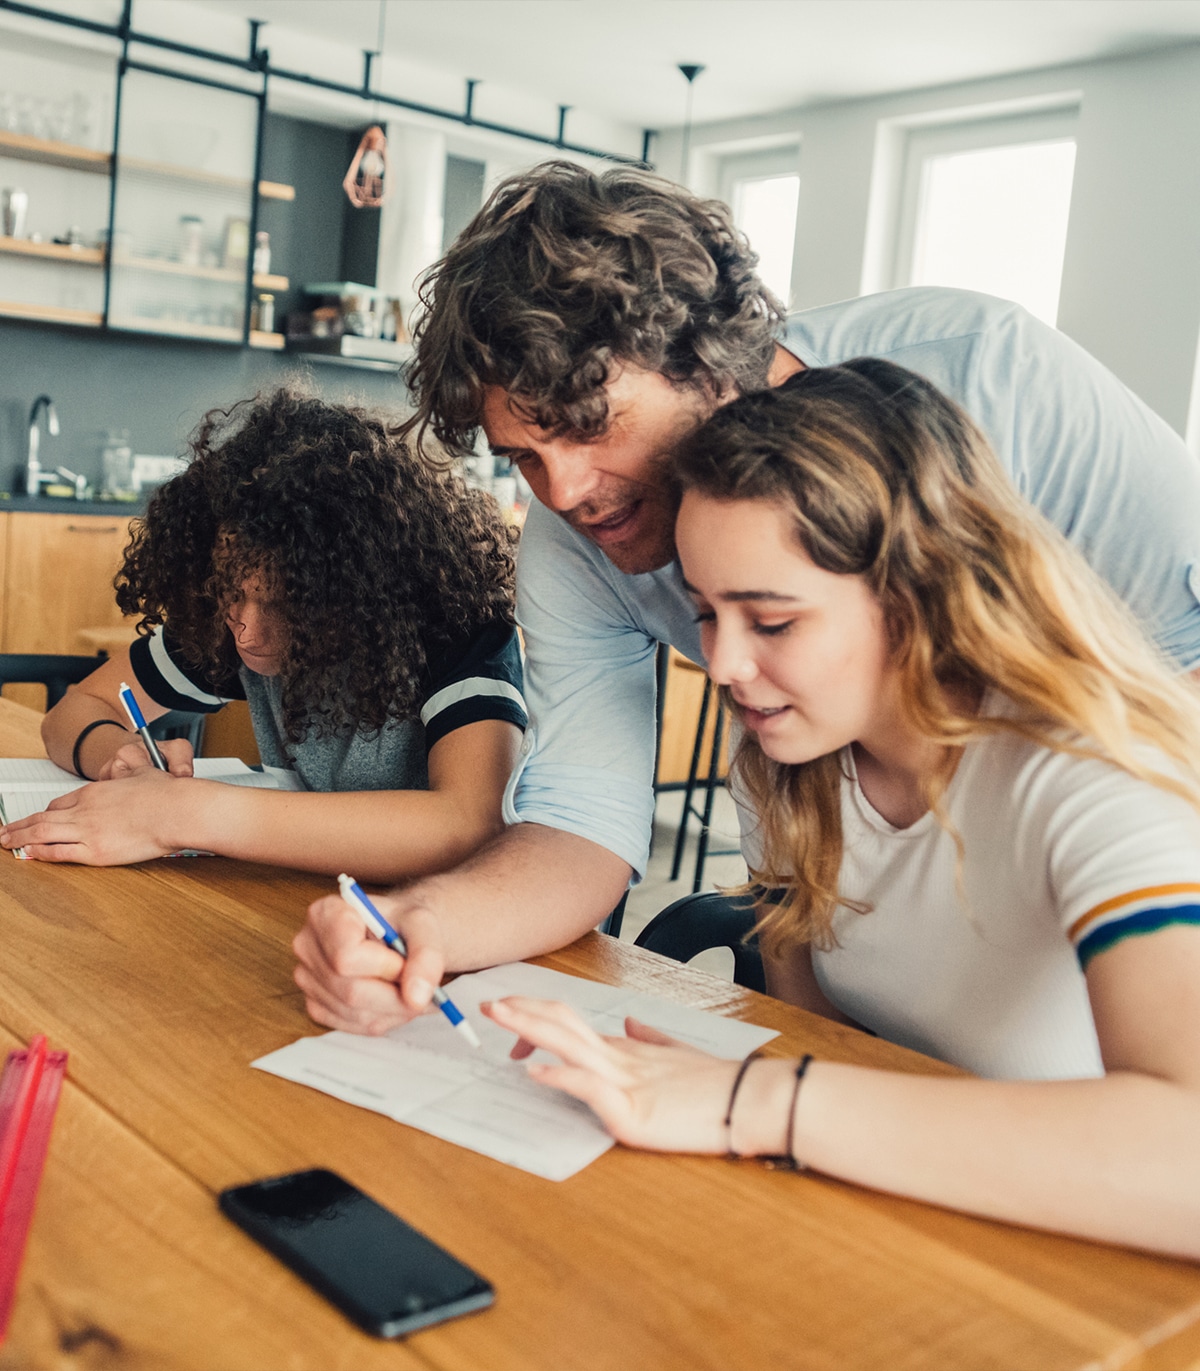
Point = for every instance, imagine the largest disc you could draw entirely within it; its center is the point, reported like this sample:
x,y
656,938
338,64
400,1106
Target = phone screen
x,y
385,1275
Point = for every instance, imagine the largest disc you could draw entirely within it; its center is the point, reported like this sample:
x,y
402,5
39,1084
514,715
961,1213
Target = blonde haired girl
x,y
975,794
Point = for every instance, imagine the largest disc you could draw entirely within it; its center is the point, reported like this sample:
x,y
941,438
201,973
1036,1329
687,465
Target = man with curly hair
x,y
586,324
359,596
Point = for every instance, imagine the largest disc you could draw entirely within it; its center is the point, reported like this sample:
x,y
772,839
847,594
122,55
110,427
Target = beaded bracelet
x,y
743,1067
788,1161
96,723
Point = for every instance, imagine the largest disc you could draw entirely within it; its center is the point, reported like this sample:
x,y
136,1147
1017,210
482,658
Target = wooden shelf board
x,y
50,314
55,252
173,172
178,328
269,190
271,342
232,275
199,273
169,268
26,148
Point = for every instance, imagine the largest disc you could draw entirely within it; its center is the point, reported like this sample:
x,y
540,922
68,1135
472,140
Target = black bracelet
x,y
743,1067
96,723
788,1161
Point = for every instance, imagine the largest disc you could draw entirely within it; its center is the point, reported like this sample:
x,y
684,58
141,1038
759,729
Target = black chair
x,y
180,723
57,671
612,922
697,922
53,670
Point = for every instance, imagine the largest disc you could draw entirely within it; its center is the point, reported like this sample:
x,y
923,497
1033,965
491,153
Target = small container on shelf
x,y
262,253
266,314
191,239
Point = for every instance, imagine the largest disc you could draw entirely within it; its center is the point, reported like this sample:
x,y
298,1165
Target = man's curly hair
x,y
382,559
564,273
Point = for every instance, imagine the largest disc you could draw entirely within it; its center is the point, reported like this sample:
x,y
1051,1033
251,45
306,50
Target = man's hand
x,y
351,980
106,824
133,759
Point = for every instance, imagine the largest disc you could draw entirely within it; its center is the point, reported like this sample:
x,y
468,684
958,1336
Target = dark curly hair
x,y
382,558
564,272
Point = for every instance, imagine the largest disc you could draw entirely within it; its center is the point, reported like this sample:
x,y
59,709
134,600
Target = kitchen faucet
x,y
35,478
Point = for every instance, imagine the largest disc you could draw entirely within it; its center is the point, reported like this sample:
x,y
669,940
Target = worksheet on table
x,y
426,1075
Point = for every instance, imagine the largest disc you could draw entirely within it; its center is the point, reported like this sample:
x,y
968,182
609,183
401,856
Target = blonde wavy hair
x,y
887,479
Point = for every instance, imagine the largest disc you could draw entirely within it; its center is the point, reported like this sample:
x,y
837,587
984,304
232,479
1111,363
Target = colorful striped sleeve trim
x,y
1140,911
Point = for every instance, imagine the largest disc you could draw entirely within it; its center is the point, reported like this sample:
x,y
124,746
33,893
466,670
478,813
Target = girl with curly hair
x,y
972,794
359,597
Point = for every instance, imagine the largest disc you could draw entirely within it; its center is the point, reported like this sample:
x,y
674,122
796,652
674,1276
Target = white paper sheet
x,y
425,1075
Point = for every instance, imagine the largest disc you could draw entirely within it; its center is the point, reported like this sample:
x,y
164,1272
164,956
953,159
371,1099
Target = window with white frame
x,y
984,205
763,190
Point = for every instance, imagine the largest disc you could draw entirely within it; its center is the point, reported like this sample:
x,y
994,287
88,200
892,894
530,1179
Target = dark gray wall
x,y
155,388
318,236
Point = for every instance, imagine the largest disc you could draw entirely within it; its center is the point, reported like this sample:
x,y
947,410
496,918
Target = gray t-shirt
x,y
482,681
1109,473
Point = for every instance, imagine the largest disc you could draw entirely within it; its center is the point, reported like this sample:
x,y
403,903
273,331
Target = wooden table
x,y
165,980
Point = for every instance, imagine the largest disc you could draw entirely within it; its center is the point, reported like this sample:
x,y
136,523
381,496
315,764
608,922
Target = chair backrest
x,y
180,723
56,671
697,922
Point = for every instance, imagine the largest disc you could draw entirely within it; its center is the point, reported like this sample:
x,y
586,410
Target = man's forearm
x,y
531,890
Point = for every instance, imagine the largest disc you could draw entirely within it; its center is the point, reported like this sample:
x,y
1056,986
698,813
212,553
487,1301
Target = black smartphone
x,y
386,1276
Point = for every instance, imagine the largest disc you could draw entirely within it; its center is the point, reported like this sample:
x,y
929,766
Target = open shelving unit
x,y
76,158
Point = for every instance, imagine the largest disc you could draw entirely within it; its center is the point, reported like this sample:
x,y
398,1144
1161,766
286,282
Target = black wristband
x,y
96,723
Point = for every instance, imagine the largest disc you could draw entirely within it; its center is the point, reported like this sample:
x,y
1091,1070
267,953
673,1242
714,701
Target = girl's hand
x,y
133,758
647,1089
110,824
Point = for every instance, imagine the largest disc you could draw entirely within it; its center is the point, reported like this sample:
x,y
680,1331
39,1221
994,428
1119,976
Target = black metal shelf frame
x,y
258,61
127,64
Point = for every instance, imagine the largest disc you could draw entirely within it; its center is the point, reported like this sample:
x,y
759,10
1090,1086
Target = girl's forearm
x,y
379,836
1111,1159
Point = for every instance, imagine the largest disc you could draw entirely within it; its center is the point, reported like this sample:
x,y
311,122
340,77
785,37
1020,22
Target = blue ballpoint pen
x,y
137,720
360,902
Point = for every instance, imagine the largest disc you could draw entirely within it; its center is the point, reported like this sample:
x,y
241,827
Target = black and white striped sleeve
x,y
173,682
483,682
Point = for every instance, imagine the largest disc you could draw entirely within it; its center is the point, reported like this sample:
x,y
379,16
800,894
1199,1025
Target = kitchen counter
x,y
53,504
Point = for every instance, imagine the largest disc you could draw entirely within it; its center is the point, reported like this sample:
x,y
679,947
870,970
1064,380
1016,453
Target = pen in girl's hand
x,y
137,720
360,902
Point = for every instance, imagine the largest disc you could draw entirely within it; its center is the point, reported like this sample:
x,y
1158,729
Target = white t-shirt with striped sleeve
x,y
1063,858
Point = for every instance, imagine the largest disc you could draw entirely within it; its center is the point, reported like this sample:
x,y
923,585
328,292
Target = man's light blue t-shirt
x,y
1102,467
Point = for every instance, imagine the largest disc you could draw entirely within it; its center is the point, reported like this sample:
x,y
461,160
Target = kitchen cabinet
x,y
58,575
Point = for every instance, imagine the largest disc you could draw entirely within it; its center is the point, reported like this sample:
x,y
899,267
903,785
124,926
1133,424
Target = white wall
x,y
1131,276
